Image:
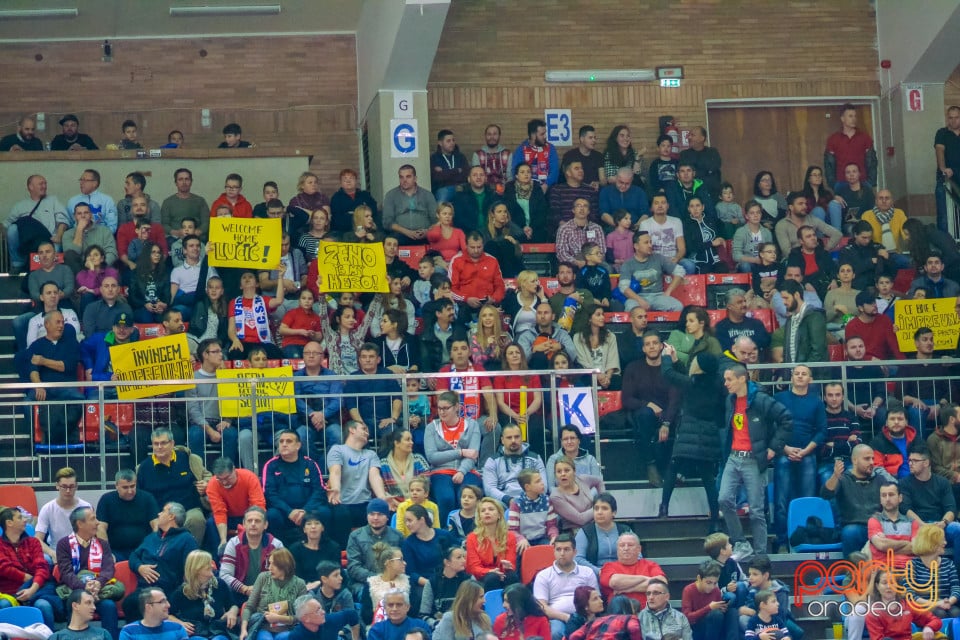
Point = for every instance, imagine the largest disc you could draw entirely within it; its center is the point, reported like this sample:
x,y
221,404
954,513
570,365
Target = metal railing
x,y
115,433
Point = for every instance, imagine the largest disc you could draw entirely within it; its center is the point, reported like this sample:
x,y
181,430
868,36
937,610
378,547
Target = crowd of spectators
x,y
455,468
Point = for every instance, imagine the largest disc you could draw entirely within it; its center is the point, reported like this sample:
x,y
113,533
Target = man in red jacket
x,y
475,276
24,572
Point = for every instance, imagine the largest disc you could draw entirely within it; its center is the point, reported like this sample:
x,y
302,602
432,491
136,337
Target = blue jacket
x,y
169,552
634,201
318,395
293,485
95,353
770,424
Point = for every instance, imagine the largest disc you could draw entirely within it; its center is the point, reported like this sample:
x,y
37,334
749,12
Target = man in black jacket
x,y
755,431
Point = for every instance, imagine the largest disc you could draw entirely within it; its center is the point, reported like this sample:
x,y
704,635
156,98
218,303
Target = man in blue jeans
x,y
858,496
756,430
795,472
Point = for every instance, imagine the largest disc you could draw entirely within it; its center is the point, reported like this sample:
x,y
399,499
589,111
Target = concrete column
x,y
396,44
922,52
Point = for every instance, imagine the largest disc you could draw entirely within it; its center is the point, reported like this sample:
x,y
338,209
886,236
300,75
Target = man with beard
x,y
539,154
587,155
805,334
494,158
25,139
71,139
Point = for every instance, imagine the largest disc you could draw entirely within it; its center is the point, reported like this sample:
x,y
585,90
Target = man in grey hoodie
x,y
500,472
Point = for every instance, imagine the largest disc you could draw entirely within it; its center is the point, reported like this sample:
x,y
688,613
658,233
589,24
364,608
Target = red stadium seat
x,y
716,315
616,317
535,559
903,280
150,330
550,286
544,247
19,495
412,255
609,401
120,414
663,316
692,290
766,316
35,260
835,352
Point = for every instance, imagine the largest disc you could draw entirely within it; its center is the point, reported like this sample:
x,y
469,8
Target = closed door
x,y
782,140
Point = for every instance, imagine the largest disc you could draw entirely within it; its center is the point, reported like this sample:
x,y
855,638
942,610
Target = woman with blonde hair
x,y
501,239
393,575
521,303
928,547
203,604
443,236
488,339
491,548
467,619
271,599
309,197
364,228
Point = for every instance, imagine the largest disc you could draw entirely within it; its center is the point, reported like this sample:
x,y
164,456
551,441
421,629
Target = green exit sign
x,y
670,83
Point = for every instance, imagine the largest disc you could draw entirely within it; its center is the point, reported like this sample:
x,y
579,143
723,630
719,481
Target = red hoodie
x,y
16,561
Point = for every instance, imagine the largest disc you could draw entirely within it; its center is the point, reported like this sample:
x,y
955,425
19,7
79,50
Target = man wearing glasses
x,y
658,619
231,195
155,609
173,474
158,562
53,521
318,403
102,206
203,411
929,498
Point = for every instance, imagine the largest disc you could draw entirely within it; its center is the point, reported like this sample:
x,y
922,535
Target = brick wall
x,y
492,55
291,92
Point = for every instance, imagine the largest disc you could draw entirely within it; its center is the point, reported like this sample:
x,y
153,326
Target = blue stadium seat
x,y
21,616
798,512
493,603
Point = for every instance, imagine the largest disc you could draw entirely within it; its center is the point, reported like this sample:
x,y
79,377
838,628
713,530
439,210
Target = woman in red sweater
x,y
443,236
522,616
893,619
491,548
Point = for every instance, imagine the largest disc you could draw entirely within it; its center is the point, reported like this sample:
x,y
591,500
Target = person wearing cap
x,y
876,329
95,352
361,559
70,139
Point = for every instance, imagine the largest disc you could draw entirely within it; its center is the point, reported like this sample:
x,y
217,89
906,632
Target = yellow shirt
x,y
406,504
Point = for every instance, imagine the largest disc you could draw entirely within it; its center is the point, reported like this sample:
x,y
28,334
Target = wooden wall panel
x,y
296,92
492,56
